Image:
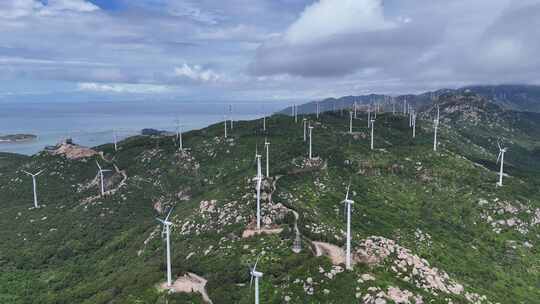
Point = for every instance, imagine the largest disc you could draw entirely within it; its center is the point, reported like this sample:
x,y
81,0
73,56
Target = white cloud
x,y
13,9
197,73
327,18
123,88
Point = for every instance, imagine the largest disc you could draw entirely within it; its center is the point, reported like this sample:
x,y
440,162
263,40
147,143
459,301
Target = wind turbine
x,y
295,113
372,128
305,126
310,141
350,122
436,127
115,140
225,125
255,275
414,125
34,186
100,171
179,135
369,116
501,158
318,109
267,146
259,181
167,231
264,123
348,204
231,115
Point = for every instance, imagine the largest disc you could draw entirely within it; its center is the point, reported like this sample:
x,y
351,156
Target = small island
x,y
17,138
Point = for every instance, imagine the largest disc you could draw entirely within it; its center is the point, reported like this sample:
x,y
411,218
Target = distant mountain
x,y
516,97
524,98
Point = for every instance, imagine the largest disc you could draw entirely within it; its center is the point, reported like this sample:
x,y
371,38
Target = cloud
x,y
332,39
196,73
326,18
122,88
13,9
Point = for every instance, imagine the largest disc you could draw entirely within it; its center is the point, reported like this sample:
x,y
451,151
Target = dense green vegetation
x,y
82,248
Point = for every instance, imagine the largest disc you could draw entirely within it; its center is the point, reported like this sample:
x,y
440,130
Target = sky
x,y
255,50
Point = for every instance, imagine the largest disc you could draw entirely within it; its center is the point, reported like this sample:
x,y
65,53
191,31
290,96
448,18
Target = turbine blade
x,y
160,220
27,172
499,157
255,266
251,280
39,173
169,214
97,163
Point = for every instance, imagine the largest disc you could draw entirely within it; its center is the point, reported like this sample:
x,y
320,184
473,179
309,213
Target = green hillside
x,y
428,227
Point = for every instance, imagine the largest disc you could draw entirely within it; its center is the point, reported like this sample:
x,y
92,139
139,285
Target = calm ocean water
x,y
92,123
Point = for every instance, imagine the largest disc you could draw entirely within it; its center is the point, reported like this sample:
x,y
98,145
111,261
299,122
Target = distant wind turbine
x,y
348,204
231,115
305,127
318,109
100,171
267,146
225,125
115,140
501,158
350,122
167,231
372,129
295,113
414,125
255,275
259,182
310,141
436,127
179,135
34,186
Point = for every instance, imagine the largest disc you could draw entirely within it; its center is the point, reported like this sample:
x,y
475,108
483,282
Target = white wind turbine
x,y
305,127
310,141
264,123
414,125
100,171
167,231
267,146
501,158
259,182
255,275
436,127
369,116
295,113
225,125
179,135
348,205
372,128
34,186
318,109
115,140
350,122
231,115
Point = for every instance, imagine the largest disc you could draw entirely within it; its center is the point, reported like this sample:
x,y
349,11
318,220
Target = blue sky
x,y
78,50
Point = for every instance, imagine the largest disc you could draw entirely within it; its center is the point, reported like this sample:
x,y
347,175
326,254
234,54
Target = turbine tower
x,y
305,126
231,115
115,140
167,231
372,127
179,135
436,127
318,109
295,113
34,186
255,275
414,125
348,204
225,125
350,122
100,171
259,182
310,142
267,146
501,158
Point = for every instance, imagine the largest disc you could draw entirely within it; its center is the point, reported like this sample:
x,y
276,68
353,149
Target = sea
x,y
94,123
